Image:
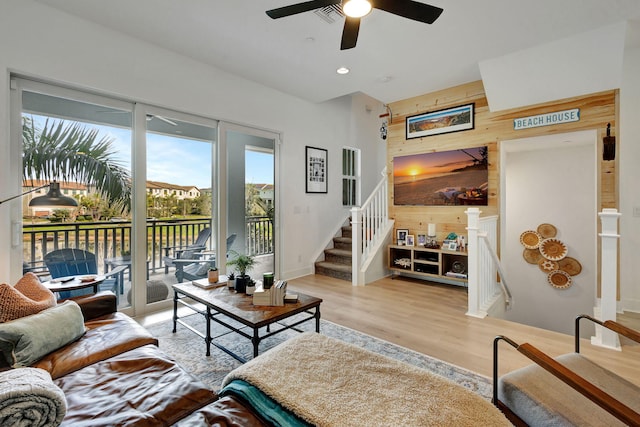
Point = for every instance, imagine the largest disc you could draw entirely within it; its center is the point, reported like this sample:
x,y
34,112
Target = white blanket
x,y
328,382
28,397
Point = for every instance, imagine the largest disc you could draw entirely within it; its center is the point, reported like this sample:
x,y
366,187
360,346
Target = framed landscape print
x,y
316,170
442,121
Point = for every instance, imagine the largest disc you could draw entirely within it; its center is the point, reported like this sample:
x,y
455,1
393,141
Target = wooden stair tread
x,y
343,239
339,252
334,266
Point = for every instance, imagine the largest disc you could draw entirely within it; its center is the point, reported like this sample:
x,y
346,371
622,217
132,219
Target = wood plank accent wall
x,y
596,110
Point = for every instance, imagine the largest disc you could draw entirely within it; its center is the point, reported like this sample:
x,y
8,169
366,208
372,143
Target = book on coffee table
x,y
205,284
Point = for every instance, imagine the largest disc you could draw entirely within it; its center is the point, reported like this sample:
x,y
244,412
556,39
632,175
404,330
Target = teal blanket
x,y
266,407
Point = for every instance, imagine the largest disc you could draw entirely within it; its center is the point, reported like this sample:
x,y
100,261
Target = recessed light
x,y
342,70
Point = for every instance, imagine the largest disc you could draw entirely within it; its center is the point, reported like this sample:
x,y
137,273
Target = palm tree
x,y
72,152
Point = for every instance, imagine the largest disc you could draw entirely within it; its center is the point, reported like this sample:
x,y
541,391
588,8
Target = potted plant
x,y
242,264
213,275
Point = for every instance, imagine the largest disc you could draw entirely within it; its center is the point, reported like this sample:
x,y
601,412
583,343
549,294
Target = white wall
x,y
571,67
44,43
550,180
629,155
556,70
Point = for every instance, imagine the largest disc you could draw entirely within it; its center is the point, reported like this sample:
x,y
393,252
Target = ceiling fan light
x,y
356,8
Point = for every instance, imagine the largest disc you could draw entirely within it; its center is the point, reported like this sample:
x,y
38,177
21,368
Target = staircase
x,y
337,260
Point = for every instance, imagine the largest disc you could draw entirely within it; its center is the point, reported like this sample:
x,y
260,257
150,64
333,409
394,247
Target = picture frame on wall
x,y
453,119
315,170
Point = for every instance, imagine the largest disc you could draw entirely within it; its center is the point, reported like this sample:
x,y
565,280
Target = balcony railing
x,y
113,239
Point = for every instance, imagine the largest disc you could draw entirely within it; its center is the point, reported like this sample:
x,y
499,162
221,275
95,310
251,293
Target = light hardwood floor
x,y
430,318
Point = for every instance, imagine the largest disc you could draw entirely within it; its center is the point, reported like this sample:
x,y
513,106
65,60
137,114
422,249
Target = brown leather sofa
x,y
116,375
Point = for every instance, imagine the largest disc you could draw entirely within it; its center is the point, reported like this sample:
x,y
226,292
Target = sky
x,y
180,161
434,163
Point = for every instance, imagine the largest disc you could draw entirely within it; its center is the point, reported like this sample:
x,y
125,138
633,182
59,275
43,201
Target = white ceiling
x,y
395,58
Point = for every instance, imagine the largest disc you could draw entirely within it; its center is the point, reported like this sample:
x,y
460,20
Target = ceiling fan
x,y
356,9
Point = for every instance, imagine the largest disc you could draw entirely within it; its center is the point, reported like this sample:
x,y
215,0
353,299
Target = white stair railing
x,y
483,265
607,309
367,223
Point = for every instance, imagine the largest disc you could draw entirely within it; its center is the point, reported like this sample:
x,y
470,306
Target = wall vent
x,y
330,14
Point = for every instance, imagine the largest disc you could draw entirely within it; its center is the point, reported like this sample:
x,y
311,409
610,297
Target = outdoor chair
x,y
197,267
185,251
74,262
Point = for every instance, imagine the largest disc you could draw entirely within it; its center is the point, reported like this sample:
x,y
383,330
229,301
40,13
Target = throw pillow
x,y
26,340
27,297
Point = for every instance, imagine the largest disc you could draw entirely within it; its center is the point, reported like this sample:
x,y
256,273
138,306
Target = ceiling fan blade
x,y
164,119
294,9
350,33
409,9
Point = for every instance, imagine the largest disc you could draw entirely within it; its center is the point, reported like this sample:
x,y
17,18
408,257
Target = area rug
x,y
189,350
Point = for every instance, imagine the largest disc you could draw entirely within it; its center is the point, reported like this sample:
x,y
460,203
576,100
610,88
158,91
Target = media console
x,y
435,264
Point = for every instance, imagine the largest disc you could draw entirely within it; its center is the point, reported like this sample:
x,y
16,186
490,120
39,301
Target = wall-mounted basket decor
x,y
541,248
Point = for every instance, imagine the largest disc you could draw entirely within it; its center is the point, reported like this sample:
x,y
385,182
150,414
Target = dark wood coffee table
x,y
223,302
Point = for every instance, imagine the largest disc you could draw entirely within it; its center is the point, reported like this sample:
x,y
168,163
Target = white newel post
x,y
356,245
608,278
473,219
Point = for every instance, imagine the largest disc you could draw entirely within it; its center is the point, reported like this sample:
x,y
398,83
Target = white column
x,y
473,303
608,278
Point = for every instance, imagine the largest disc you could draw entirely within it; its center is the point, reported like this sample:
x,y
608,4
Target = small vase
x,y
213,276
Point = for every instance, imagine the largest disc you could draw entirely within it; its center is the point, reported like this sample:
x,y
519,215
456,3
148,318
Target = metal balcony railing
x,y
113,239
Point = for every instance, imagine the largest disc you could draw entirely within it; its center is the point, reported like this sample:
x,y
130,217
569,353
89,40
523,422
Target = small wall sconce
x,y
609,145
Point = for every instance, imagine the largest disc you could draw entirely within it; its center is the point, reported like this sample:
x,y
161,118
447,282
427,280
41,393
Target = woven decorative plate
x,y
547,265
570,265
559,279
530,239
532,256
547,230
553,249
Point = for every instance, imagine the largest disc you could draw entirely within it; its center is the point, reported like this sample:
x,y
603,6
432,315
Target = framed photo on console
x,y
401,236
315,170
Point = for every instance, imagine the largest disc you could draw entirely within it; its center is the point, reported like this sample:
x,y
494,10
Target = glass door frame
x,y
138,173
139,195
20,84
223,129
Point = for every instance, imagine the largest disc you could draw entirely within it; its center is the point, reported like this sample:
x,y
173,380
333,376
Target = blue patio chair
x,y
185,251
197,267
74,262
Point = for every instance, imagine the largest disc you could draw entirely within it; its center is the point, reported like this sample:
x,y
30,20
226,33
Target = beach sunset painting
x,y
441,178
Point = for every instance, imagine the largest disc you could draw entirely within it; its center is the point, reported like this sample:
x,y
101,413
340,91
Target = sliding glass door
x,y
250,191
180,200
162,195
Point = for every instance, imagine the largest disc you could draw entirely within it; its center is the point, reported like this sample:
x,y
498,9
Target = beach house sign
x,y
548,119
